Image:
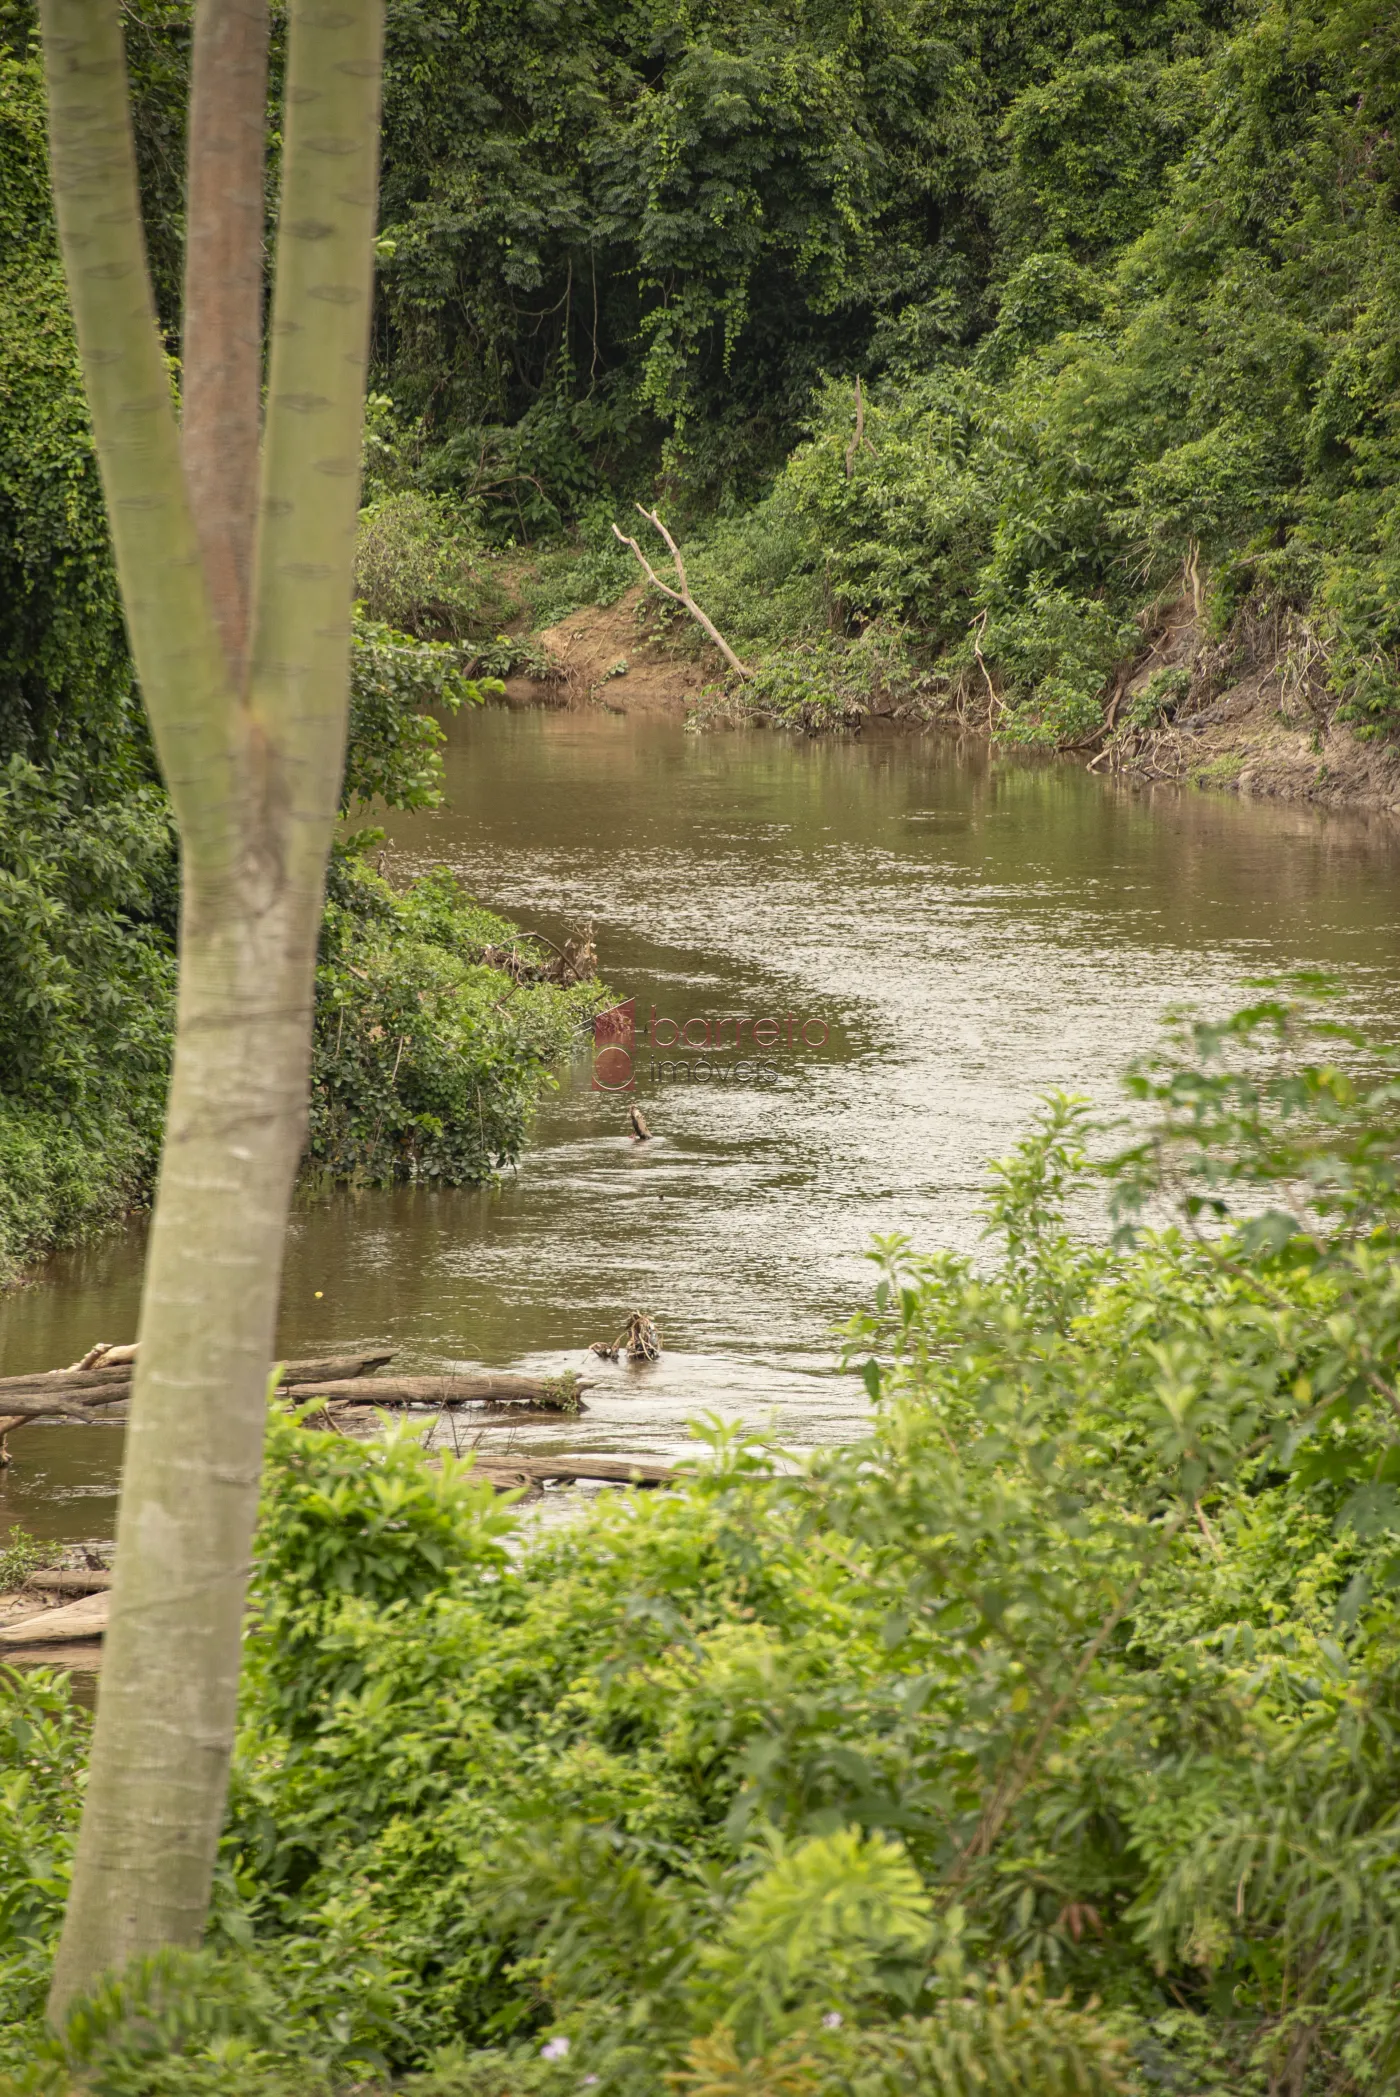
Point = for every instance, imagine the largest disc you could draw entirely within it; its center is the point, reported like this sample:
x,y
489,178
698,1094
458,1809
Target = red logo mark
x,y
614,1037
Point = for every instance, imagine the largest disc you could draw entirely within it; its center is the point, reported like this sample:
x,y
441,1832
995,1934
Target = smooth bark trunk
x,y
167,1701
222,335
254,773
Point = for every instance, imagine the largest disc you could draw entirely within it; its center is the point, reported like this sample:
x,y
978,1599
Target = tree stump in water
x,y
640,1342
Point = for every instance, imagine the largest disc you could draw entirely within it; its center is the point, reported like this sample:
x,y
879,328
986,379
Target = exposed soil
x,y
604,655
1256,719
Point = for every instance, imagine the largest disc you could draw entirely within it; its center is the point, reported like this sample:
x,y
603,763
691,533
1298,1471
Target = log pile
x,y
539,1394
103,1378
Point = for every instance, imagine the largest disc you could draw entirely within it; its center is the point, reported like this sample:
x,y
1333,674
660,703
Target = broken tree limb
x,y
105,1356
539,1393
508,1473
681,596
81,1581
73,1394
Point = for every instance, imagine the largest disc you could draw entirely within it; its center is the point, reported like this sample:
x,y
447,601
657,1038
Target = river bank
x,y
1248,715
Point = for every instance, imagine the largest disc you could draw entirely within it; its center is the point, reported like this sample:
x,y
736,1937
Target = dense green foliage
x,y
428,1060
89,883
1120,282
1043,1741
1178,378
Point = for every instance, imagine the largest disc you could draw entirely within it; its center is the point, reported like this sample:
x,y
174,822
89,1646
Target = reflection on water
x,y
62,1483
968,933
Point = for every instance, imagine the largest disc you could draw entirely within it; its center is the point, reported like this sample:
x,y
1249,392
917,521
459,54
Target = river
x,y
954,934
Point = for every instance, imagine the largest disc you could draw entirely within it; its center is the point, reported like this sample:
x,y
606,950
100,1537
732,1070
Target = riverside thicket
x,y
1042,1740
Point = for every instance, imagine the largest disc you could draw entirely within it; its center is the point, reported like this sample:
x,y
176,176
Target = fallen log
x,y
84,1581
69,1393
338,1369
538,1393
510,1472
69,1382
85,1619
29,1405
66,1380
569,1470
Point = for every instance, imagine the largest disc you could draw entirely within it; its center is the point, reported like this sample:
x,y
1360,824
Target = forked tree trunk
x,y
254,772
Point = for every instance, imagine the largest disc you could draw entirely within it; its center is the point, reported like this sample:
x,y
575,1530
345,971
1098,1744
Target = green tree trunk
x,y
254,772
222,334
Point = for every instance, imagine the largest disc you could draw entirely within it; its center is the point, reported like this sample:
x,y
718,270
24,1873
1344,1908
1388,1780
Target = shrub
x,y
427,1061
422,568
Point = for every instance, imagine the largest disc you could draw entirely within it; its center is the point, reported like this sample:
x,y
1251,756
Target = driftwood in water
x,y
506,1472
66,1381
66,1581
23,1406
640,1342
337,1369
622,1470
69,1394
84,1383
537,1393
107,1356
85,1619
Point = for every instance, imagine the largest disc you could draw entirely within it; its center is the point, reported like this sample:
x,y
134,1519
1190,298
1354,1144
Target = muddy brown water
x,y
955,934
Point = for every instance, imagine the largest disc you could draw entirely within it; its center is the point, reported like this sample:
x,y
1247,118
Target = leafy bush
x,y
87,983
20,1556
589,568
420,567
427,1061
393,747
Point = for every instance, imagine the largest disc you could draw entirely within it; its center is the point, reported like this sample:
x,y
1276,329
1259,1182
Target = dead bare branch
x,y
860,442
681,596
979,628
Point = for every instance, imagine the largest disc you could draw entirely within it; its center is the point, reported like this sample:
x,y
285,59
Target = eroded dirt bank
x,y
605,655
1250,714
